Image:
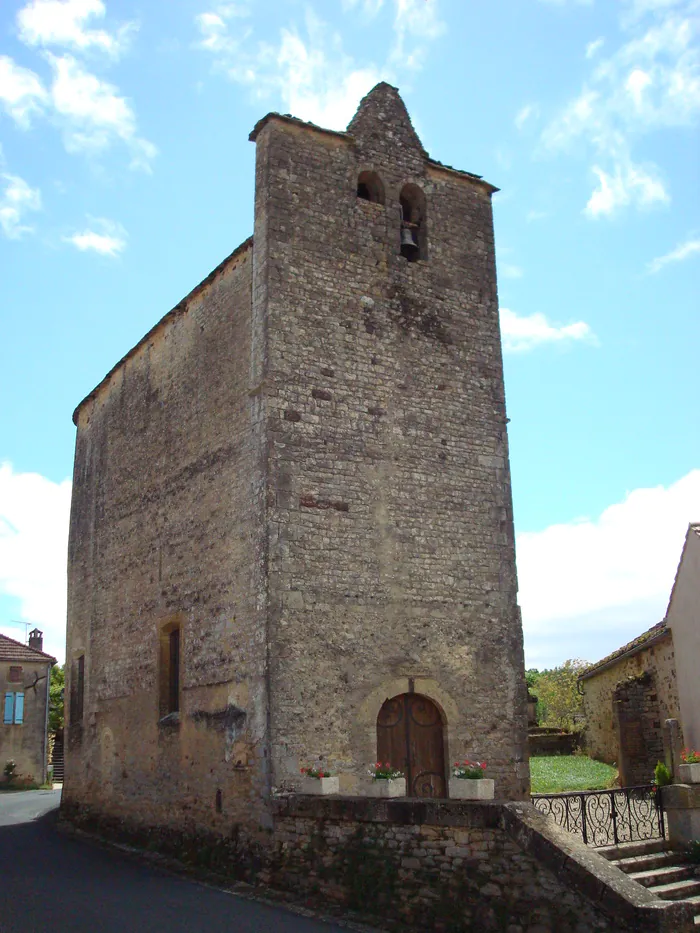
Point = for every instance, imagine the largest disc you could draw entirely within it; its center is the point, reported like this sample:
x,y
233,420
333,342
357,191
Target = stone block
x,y
382,788
465,789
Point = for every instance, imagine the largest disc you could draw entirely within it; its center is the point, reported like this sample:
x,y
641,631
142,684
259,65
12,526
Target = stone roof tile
x,y
656,631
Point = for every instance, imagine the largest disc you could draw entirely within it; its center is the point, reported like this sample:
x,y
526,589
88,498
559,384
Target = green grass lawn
x,y
551,774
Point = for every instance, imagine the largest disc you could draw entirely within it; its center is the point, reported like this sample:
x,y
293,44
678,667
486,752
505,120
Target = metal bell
x,y
408,237
409,244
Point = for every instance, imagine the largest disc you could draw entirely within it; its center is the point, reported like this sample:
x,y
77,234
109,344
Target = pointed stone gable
x,y
382,129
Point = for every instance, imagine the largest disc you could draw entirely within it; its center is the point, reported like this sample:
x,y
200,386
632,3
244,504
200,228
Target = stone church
x,y
291,534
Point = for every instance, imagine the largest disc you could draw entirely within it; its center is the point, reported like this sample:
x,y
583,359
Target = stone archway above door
x,y
411,738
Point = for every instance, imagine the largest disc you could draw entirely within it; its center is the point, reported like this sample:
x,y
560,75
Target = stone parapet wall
x,y
417,865
443,865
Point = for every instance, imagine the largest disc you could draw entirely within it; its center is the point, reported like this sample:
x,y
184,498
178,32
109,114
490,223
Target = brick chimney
x,y
36,640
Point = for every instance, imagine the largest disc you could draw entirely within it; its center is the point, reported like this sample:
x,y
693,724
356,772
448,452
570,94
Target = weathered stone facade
x,y
24,693
301,471
636,687
683,619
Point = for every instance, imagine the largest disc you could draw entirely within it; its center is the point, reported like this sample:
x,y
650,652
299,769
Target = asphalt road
x,y
50,882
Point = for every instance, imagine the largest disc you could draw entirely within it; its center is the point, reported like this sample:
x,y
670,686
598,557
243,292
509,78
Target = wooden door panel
x,y
410,738
426,749
391,734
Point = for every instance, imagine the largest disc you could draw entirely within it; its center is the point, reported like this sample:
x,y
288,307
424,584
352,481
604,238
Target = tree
x,y
560,703
531,676
56,688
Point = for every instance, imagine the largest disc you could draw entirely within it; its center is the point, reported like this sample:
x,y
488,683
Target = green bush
x,y
662,776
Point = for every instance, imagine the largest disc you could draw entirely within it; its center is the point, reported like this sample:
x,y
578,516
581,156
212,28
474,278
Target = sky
x,y
126,175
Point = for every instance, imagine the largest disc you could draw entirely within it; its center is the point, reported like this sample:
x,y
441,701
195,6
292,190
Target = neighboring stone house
x,y
291,531
25,672
627,697
683,619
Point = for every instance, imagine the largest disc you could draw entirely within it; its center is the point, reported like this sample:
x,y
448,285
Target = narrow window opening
x,y
219,801
174,671
169,668
370,187
413,223
78,689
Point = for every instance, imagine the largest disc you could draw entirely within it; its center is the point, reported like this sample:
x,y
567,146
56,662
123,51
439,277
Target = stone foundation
x,y
415,865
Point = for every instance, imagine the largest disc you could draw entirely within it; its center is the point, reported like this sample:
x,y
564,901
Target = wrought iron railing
x,y
607,817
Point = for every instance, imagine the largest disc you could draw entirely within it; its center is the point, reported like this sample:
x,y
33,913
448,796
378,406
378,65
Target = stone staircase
x,y
57,761
662,871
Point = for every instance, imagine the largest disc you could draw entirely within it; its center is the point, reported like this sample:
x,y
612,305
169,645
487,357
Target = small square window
x,y
15,674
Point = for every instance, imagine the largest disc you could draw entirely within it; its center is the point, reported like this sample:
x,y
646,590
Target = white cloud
x,y
63,23
22,95
529,111
16,198
416,23
88,110
589,586
690,247
109,239
369,8
650,82
521,334
91,113
628,184
593,47
536,215
308,69
510,271
34,513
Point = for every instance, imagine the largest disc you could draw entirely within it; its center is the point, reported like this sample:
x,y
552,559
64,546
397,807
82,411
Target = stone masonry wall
x,y
639,729
25,743
601,735
164,529
457,867
391,548
444,866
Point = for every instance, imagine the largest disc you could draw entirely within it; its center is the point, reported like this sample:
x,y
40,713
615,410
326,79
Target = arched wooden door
x,y
410,738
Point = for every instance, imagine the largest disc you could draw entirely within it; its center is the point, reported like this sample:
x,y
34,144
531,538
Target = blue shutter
x,y
19,708
9,708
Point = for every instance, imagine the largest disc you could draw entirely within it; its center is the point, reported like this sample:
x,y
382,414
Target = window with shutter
x,y
19,708
9,708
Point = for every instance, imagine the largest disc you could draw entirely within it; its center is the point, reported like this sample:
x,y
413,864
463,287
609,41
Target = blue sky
x,y
126,176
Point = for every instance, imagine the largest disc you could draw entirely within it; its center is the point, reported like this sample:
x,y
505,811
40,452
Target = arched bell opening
x,y
411,734
414,236
370,187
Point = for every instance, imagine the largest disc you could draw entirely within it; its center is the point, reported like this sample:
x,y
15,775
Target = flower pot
x,y
689,774
325,785
471,789
381,787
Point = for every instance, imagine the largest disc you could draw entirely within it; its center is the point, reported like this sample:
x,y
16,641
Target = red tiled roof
x,y
11,650
655,632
